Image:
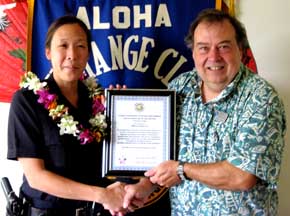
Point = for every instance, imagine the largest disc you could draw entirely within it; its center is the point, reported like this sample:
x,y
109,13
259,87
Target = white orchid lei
x,y
60,114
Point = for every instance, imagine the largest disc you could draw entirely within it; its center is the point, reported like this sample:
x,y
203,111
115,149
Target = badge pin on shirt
x,y
221,116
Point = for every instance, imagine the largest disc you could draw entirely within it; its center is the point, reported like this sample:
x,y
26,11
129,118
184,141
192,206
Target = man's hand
x,y
137,194
164,174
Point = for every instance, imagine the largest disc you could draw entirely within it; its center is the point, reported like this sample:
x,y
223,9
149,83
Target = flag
x,y
248,57
13,39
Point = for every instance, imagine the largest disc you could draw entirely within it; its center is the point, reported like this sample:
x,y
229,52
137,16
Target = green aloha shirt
x,y
244,125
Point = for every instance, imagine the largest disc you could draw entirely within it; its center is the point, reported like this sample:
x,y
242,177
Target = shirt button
x,y
187,205
216,137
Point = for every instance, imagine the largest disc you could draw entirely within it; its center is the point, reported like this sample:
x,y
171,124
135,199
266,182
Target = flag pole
x,y
29,33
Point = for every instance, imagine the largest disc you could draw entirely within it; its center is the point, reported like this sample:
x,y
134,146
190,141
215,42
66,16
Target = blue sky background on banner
x,y
139,43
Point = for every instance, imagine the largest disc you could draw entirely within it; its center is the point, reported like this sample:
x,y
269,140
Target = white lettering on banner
x,y
99,25
90,71
82,14
120,57
121,17
137,60
99,60
162,16
144,54
134,54
118,13
161,61
116,52
122,53
146,16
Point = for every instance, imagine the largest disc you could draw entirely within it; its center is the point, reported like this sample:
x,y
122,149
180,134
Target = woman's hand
x,y
113,199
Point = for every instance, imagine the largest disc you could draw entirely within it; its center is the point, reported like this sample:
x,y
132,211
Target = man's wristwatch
x,y
180,171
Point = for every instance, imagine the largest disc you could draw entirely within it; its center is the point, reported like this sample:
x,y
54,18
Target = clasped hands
x,y
122,198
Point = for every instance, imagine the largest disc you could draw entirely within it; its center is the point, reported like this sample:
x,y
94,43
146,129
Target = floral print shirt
x,y
244,125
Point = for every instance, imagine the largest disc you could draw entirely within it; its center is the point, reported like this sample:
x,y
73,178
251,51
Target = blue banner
x,y
139,43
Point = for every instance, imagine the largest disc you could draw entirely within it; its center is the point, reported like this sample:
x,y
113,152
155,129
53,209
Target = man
x,y
231,127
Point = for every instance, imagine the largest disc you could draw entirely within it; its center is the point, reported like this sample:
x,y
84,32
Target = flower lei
x,y
59,112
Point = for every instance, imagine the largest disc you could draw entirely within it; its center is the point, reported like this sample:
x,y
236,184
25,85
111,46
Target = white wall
x,y
11,169
269,35
267,23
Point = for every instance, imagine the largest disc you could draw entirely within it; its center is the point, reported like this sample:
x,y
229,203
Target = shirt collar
x,y
230,88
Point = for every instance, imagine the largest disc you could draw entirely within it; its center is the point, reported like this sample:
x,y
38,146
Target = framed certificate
x,y
141,131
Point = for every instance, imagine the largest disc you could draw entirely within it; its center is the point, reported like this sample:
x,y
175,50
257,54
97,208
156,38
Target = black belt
x,y
59,212
84,211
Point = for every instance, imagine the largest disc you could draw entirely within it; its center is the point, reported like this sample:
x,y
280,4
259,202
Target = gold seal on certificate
x,y
141,131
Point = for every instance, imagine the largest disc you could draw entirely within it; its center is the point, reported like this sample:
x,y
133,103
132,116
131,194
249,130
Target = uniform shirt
x,y
244,125
33,134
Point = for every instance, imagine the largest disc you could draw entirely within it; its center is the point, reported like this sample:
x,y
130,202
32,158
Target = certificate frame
x,y
128,146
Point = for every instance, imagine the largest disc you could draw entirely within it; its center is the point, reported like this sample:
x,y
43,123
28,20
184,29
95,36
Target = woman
x,y
51,135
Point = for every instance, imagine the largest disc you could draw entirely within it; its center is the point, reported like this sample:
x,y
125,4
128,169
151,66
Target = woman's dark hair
x,y
213,16
67,19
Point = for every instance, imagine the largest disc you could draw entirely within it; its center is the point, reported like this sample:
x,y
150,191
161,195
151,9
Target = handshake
x,y
120,198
